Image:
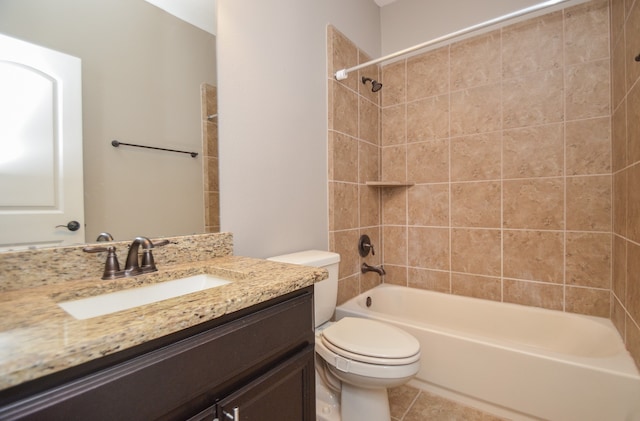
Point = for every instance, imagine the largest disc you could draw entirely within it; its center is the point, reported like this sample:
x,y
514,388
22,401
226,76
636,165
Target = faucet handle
x,y
148,264
111,266
364,245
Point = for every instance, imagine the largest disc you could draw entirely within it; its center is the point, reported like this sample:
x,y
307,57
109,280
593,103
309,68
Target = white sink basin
x,y
99,305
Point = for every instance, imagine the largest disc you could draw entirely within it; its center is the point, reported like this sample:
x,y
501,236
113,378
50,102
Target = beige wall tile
x,y
394,125
588,90
589,203
342,54
429,247
620,203
619,138
619,281
633,203
342,201
533,203
476,251
588,259
343,152
618,76
432,280
348,288
429,205
633,123
428,74
588,144
533,294
345,108
618,316
394,80
586,32
632,41
394,241
593,302
394,163
484,287
533,45
428,162
534,255
394,206
475,61
617,20
345,243
396,275
533,152
476,204
428,119
476,157
633,281
536,98
476,110
370,214
369,121
368,162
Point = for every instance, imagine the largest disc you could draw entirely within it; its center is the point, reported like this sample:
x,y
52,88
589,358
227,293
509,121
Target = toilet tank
x,y
325,293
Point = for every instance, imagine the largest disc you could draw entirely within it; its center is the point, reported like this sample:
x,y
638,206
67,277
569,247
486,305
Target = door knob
x,y
71,226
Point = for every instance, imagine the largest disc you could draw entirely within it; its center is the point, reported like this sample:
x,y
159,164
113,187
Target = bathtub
x,y
514,361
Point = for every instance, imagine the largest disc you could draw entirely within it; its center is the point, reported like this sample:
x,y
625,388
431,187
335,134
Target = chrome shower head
x,y
375,85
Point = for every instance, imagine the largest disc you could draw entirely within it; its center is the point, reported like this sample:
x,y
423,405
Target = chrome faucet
x,y
377,269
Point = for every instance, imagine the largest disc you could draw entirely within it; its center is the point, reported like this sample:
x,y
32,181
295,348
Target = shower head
x,y
375,85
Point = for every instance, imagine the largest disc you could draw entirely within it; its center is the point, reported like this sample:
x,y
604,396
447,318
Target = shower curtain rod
x,y
344,73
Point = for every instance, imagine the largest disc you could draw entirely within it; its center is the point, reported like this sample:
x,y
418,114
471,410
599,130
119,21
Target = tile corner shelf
x,y
390,183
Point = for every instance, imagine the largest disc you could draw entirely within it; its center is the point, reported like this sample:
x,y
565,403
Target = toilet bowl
x,y
356,359
367,357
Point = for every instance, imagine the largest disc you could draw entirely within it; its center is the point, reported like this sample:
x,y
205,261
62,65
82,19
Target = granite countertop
x,y
38,338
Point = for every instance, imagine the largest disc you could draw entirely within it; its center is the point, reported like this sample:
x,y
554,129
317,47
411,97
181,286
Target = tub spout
x,y
377,269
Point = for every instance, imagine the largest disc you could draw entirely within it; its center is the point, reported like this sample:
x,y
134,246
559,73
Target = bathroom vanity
x,y
244,350
259,364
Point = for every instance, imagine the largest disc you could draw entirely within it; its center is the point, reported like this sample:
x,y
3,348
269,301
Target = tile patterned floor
x,y
411,404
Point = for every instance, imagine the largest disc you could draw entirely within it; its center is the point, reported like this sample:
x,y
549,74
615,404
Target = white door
x,y
41,193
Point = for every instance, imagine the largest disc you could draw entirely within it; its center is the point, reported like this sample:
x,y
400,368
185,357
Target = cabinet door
x,y
287,392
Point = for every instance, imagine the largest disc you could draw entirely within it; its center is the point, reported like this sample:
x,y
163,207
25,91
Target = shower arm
x,y
344,73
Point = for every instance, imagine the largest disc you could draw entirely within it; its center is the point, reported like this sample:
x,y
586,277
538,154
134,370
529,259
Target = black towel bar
x,y
116,143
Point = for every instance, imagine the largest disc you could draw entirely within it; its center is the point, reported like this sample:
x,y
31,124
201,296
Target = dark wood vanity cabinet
x,y
257,366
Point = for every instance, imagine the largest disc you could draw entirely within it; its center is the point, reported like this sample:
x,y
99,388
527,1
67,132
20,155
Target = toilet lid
x,y
370,338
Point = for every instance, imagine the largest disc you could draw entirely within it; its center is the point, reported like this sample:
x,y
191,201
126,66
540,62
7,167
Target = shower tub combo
x,y
520,362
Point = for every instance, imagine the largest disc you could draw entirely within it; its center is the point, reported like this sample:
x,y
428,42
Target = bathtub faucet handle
x,y
364,246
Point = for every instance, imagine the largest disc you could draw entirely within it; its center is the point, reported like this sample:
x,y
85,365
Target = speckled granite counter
x,y
38,338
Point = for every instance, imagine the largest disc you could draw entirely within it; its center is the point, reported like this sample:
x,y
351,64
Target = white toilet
x,y
359,358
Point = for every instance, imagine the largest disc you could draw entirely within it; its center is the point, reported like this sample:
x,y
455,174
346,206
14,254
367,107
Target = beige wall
x,y
141,69
625,46
272,95
410,22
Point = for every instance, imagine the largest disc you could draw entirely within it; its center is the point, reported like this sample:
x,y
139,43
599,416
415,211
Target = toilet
x,y
357,359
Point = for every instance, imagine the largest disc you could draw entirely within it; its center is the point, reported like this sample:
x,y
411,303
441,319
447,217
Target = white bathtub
x,y
511,360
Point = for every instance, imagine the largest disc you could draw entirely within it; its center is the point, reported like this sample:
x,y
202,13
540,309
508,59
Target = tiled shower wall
x,y
209,95
507,137
625,71
354,159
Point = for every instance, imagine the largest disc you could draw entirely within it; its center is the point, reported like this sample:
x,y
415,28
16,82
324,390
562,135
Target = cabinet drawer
x,y
181,378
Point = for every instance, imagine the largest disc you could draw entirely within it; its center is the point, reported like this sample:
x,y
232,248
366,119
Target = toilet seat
x,y
371,342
